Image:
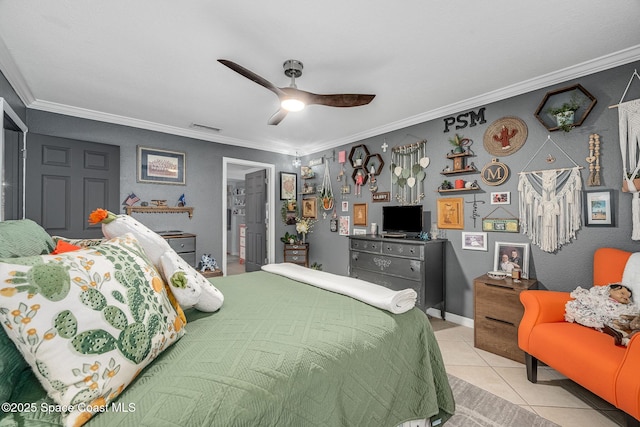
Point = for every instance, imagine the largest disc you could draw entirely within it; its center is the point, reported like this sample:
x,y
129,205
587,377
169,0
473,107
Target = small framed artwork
x,y
501,198
474,241
599,209
309,208
344,225
288,186
359,231
345,206
333,225
161,166
451,213
360,214
508,256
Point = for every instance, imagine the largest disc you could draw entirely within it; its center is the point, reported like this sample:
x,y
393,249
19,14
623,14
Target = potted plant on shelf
x,y
358,159
565,114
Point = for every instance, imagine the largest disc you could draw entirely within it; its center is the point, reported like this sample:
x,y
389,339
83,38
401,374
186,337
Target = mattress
x,y
280,353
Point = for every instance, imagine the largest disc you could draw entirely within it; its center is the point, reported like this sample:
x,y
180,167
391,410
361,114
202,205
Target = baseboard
x,y
450,317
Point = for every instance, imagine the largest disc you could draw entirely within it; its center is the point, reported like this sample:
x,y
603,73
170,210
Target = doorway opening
x,y
233,173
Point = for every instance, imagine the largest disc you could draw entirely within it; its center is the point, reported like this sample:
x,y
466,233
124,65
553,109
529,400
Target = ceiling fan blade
x,y
277,117
251,76
339,100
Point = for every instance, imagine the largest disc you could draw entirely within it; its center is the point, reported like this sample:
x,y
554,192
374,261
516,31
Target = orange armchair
x,y
584,355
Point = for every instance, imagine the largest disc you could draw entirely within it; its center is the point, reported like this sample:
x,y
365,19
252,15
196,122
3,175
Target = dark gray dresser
x,y
400,264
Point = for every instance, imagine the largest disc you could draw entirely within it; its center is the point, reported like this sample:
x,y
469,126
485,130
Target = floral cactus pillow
x,y
87,321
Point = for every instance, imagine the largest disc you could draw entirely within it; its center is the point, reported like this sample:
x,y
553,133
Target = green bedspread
x,y
282,353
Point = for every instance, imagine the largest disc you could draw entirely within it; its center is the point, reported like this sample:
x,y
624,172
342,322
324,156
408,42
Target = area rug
x,y
479,408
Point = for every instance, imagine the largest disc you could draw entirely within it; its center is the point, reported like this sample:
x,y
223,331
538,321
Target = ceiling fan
x,y
294,99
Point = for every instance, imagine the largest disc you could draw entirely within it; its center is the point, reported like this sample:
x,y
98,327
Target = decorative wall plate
x,y
505,136
495,173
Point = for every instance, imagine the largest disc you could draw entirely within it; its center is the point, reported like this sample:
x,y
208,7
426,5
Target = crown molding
x,y
14,76
602,63
83,113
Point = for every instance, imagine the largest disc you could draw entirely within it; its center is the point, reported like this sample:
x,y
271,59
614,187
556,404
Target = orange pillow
x,y
62,247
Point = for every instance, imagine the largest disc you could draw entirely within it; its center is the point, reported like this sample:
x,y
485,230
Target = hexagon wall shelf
x,y
557,97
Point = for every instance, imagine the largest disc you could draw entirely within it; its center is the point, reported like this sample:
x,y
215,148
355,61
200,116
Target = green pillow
x,y
22,238
11,366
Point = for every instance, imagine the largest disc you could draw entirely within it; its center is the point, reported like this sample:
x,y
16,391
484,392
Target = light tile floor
x,y
553,397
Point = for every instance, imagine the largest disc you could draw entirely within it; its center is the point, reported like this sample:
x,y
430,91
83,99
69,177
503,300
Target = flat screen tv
x,y
402,220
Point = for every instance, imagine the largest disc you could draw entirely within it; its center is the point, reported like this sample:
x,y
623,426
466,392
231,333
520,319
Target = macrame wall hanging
x,y
594,160
550,204
407,172
629,126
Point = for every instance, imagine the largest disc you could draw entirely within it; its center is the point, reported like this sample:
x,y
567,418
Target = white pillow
x,y
87,321
209,299
182,284
631,276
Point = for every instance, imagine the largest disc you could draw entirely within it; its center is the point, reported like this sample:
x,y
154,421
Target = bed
x,y
279,353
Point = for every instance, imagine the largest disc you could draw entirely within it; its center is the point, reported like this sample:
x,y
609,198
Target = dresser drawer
x,y
402,267
296,259
366,245
292,252
400,249
498,302
183,244
391,282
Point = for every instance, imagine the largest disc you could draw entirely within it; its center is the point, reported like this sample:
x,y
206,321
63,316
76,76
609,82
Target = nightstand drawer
x,y
182,244
497,337
499,302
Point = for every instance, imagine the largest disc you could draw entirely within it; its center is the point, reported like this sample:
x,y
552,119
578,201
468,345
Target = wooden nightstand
x,y
498,312
209,273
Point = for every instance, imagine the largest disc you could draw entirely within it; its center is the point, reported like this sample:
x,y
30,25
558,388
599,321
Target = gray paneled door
x,y
66,180
255,220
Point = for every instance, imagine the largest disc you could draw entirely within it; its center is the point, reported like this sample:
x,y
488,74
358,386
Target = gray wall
x,y
571,266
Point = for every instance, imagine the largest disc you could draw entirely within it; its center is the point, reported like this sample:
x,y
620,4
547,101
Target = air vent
x,y
211,128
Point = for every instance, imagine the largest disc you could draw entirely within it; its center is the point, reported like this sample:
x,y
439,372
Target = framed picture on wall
x,y
309,208
288,186
508,256
360,214
161,166
344,225
474,241
451,213
598,208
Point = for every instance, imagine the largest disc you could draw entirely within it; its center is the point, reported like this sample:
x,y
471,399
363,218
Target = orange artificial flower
x,y
101,216
98,215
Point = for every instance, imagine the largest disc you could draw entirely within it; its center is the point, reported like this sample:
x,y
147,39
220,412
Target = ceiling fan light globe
x,y
292,104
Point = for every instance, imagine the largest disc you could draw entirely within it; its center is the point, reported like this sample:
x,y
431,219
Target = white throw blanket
x,y
396,302
631,275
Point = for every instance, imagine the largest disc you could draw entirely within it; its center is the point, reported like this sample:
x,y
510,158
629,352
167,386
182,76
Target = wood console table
x,y
159,209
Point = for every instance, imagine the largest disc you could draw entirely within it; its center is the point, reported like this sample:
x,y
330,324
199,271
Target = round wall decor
x,y
495,173
505,136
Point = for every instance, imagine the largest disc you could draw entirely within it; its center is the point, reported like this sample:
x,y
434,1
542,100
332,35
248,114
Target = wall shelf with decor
x,y
575,95
458,190
160,209
460,167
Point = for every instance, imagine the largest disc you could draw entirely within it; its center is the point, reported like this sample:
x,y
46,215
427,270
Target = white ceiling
x,y
152,63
